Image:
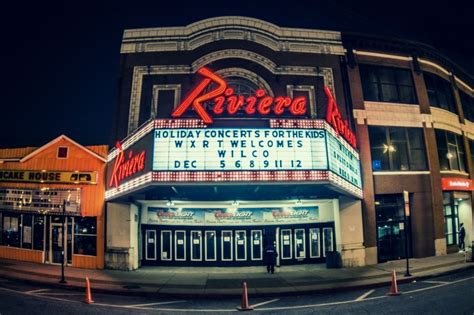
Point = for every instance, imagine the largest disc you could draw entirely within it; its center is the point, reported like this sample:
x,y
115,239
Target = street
x,y
451,294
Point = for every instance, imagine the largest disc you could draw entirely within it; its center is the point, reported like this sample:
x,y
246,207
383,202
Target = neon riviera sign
x,y
334,118
261,103
124,168
222,94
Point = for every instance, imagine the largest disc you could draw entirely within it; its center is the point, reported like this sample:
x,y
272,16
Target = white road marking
x,y
37,291
439,285
150,304
435,282
264,303
366,294
55,293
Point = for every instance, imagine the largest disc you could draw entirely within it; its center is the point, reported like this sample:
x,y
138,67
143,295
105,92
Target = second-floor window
x,y
450,151
387,84
397,149
440,92
467,105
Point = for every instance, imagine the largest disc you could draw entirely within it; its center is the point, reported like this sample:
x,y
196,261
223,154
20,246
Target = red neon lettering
x,y
222,94
334,118
195,101
123,169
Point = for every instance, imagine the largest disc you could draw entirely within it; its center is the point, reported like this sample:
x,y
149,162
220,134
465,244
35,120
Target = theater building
x,y
234,133
36,185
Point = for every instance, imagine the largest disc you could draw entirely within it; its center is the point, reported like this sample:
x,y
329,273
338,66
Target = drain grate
x,y
131,287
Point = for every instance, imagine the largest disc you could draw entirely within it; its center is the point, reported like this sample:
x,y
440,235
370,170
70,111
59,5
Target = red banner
x,y
454,183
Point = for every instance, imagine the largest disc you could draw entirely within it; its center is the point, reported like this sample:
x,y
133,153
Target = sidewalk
x,y
213,282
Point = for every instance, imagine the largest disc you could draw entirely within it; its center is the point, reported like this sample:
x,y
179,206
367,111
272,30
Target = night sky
x,y
61,60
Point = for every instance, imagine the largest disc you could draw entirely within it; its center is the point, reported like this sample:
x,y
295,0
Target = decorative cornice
x,y
206,31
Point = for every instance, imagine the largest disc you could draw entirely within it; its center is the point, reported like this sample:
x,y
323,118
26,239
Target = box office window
x,y
85,236
397,149
467,105
387,84
450,151
440,92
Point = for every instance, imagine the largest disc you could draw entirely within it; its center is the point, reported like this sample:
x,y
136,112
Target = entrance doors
x,y
391,240
58,244
235,245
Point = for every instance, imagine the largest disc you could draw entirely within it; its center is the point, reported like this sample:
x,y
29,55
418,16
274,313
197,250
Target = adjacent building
x,y
52,202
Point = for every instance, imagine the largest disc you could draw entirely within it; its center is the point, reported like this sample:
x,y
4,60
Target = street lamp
x,y
406,199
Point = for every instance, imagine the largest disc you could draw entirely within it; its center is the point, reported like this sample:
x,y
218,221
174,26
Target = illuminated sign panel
x,y
237,216
252,149
48,177
40,200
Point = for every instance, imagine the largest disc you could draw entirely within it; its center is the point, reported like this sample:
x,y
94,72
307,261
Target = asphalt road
x,y
450,294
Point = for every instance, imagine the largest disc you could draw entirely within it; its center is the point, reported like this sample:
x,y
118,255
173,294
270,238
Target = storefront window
x,y
440,92
27,235
85,231
451,218
387,84
397,149
392,228
11,230
38,233
450,151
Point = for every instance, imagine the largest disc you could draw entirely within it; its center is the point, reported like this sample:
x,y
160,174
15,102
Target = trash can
x,y
333,259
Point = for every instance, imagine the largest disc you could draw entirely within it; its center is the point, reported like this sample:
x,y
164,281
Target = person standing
x,y
270,258
462,235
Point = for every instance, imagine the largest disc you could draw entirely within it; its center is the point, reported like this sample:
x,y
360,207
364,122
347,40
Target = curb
x,y
291,291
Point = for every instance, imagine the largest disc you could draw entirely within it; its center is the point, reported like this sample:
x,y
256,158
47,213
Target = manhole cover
x,y
131,287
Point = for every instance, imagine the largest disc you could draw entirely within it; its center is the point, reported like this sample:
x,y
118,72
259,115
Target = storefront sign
x,y
253,150
454,183
43,201
233,216
126,165
225,100
21,176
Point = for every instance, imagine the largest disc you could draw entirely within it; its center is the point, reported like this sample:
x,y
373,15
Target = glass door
x,y
166,248
226,246
240,245
314,243
300,245
196,246
328,245
180,245
391,241
286,244
210,246
257,248
150,248
57,243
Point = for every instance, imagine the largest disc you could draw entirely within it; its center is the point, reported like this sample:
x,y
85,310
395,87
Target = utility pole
x,y
63,241
406,199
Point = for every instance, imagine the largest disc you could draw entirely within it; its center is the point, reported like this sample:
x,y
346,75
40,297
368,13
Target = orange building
x,y
39,187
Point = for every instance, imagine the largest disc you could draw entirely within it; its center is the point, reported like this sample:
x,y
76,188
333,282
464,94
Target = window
x,y
38,232
467,105
451,219
11,231
85,231
440,92
62,152
387,84
450,151
397,149
27,234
